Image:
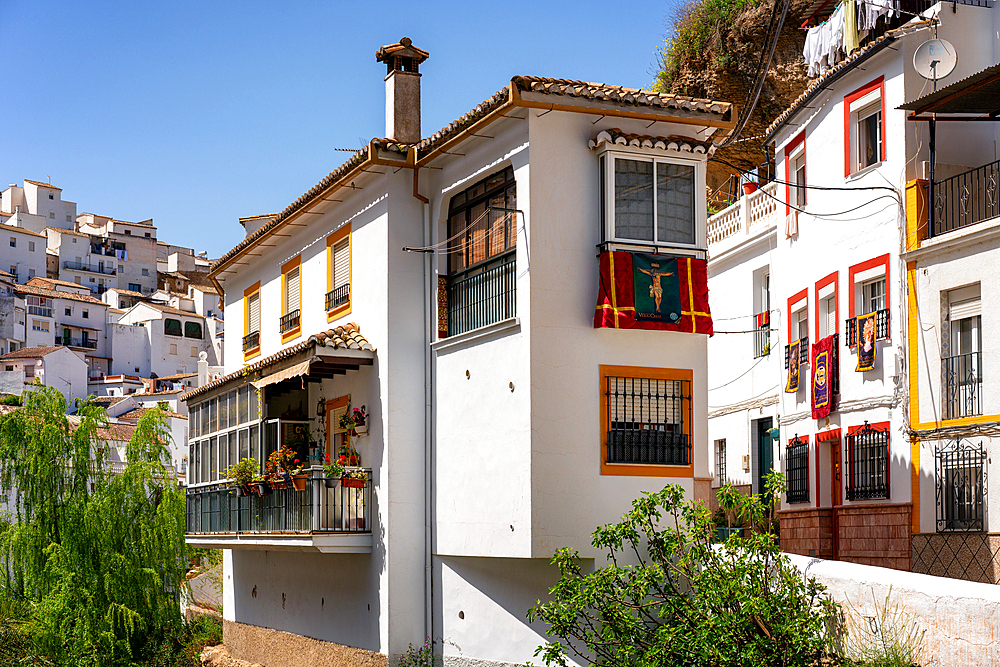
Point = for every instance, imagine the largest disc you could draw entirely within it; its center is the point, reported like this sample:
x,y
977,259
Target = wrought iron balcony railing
x,y
963,385
881,327
762,335
220,509
289,321
964,199
251,340
338,297
482,294
803,351
76,342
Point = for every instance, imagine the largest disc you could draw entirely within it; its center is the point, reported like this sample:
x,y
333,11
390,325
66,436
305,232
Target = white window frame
x,y
862,109
608,158
796,189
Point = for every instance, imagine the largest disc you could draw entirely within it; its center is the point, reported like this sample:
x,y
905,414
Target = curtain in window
x,y
634,199
674,203
192,330
172,327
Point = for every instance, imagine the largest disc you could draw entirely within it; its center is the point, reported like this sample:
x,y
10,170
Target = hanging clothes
x,y
869,12
836,24
812,51
850,26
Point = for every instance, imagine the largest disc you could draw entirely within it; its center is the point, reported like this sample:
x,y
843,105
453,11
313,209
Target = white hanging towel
x,y
811,51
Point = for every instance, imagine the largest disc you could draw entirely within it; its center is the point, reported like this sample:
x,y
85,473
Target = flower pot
x,y
299,482
243,490
361,428
277,486
353,483
749,188
331,482
260,489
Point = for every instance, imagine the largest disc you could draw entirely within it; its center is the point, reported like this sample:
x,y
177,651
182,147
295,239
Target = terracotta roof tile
x,y
38,281
31,352
53,294
178,376
133,414
22,230
170,309
44,185
682,144
346,337
68,231
107,401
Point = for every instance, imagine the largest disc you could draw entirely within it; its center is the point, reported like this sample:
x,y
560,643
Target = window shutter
x,y
341,263
292,290
964,309
253,319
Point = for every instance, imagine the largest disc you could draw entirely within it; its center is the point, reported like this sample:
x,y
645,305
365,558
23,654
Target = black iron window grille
x,y
251,340
797,466
960,475
289,321
762,337
720,460
881,328
868,463
963,383
803,352
338,297
482,295
649,420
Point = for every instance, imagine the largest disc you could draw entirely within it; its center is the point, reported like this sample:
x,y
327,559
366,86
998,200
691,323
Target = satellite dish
x,y
935,59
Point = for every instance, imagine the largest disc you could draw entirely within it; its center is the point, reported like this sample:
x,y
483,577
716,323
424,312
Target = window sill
x,y
503,327
646,470
863,172
250,354
338,312
291,334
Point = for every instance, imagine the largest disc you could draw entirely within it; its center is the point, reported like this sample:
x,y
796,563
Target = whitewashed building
x,y
35,206
22,252
57,367
448,285
174,337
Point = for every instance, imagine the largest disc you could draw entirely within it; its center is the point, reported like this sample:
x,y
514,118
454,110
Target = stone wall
x,y
807,532
961,618
969,556
877,534
274,648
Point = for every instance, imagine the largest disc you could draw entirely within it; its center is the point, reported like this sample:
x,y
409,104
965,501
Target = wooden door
x,y
836,484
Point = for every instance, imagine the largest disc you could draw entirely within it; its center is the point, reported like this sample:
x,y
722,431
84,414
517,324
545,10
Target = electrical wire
x,y
741,374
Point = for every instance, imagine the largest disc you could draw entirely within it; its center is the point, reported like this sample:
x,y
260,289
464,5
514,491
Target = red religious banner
x,y
653,292
824,376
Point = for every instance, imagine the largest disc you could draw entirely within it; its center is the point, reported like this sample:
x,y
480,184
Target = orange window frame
x,y
881,260
331,406
646,469
247,293
285,268
879,84
820,284
331,240
789,149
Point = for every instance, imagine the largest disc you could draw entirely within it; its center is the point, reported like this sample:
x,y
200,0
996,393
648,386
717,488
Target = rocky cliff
x,y
722,63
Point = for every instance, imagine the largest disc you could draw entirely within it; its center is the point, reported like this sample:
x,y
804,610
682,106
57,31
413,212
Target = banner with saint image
x,y
866,342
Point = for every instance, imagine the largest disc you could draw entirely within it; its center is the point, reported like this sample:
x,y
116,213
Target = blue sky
x,y
195,114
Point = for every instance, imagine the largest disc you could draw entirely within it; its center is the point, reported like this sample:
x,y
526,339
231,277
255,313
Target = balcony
x,y
251,340
338,297
76,342
40,311
762,335
748,217
80,266
803,352
881,328
337,520
964,199
289,321
963,385
482,294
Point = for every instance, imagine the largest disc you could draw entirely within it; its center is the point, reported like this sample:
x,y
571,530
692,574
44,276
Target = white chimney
x,y
402,90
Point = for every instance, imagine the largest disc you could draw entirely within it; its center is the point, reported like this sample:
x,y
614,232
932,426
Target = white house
x,y
57,367
175,337
22,252
12,315
80,320
132,245
449,285
35,206
83,259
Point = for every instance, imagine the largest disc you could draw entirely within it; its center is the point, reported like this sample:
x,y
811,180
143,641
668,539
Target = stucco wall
x,y
961,618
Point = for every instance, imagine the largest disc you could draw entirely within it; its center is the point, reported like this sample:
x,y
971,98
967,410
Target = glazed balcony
x,y
318,518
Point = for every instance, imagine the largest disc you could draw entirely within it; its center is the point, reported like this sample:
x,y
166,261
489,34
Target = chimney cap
x,y
403,48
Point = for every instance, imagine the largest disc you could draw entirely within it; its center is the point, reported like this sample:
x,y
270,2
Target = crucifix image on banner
x,y
657,288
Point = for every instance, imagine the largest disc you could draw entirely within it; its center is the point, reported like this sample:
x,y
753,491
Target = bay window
x,y
648,201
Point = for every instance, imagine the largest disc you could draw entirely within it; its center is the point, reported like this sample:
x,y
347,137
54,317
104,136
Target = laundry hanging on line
x,y
835,38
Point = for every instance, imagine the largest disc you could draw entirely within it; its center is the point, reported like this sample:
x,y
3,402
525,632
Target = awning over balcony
x,y
977,97
322,356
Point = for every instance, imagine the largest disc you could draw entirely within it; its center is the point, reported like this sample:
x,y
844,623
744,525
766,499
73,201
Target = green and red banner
x,y
659,292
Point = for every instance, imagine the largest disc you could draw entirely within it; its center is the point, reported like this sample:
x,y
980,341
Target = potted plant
x,y
259,486
333,472
240,475
359,416
354,479
285,469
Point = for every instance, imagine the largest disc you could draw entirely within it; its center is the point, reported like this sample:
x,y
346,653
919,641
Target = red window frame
x,y
789,149
820,284
882,260
792,300
878,83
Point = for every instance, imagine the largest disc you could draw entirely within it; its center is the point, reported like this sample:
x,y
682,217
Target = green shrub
x,y
669,596
10,399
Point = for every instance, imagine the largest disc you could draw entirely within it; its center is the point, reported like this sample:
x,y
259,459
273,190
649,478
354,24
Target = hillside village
x,y
461,351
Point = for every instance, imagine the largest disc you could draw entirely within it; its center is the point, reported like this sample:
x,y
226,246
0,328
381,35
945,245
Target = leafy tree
x,y
669,595
99,556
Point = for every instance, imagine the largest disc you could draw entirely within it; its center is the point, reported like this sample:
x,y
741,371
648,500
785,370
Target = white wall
x,y
129,348
28,262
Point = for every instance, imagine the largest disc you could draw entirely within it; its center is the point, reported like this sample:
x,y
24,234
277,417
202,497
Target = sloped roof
x,y
644,102
39,281
975,94
107,401
170,310
682,144
346,337
21,230
34,290
31,352
43,185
